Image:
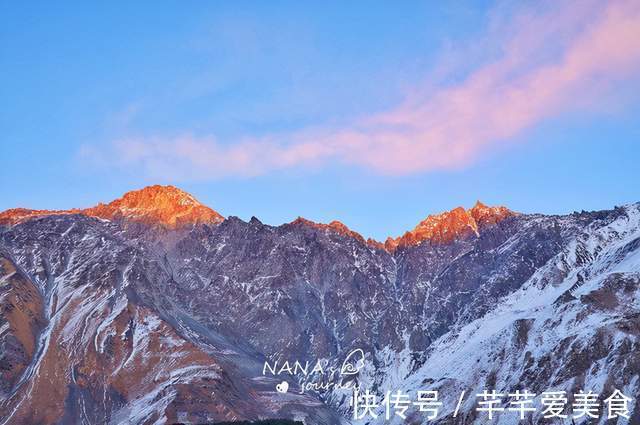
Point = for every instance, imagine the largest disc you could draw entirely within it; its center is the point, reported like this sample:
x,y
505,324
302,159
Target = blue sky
x,y
327,111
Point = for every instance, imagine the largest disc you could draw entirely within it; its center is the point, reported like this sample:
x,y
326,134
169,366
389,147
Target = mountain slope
x,y
104,352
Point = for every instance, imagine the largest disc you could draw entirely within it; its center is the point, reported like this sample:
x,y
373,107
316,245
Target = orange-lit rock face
x,y
163,205
440,228
334,226
484,215
21,316
450,225
16,215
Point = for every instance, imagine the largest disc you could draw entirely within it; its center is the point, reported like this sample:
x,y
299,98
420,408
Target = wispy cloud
x,y
538,66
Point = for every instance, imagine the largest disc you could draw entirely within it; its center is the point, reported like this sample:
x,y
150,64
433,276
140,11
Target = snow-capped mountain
x,y
155,309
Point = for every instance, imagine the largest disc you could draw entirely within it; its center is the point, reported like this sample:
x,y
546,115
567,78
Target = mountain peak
x,y
479,204
159,193
335,226
451,225
154,197
164,205
484,215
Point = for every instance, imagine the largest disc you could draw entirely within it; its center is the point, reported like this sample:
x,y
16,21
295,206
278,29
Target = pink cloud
x,y
548,63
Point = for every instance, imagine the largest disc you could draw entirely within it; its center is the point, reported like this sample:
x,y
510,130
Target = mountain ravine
x,y
156,309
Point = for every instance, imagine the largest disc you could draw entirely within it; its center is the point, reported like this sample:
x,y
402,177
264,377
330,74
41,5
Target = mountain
x,y
155,309
451,225
166,206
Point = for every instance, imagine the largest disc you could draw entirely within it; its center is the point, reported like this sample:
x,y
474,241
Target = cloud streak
x,y
546,64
